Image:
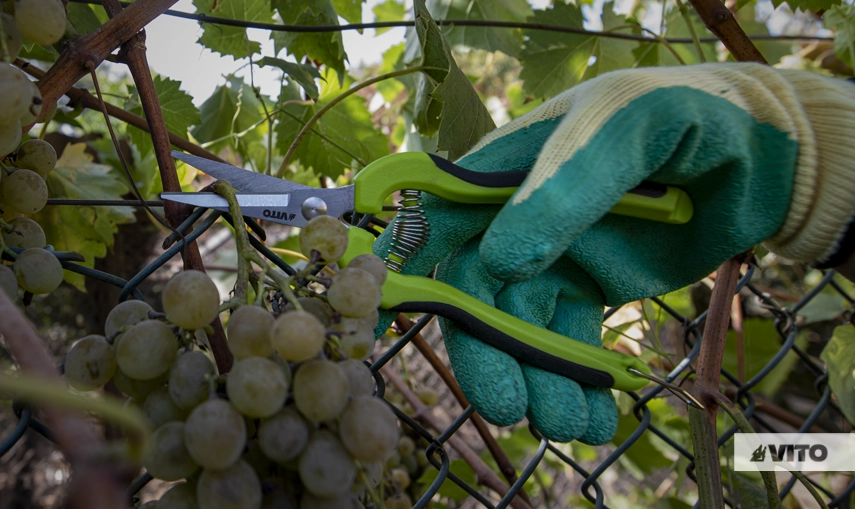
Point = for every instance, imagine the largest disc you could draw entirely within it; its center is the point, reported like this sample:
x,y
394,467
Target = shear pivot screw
x,y
314,207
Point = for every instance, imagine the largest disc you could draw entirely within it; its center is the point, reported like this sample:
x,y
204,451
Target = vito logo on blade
x,y
278,215
812,452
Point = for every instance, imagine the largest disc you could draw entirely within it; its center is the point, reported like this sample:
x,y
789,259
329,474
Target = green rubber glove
x,y
751,146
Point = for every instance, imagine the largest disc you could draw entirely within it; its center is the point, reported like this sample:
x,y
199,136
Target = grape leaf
x,y
463,119
808,5
390,10
325,47
841,19
303,74
176,105
231,110
392,62
82,18
343,136
351,10
839,359
227,40
652,54
553,62
506,40
85,230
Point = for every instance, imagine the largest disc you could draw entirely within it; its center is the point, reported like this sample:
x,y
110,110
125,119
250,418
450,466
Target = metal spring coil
x,y
409,232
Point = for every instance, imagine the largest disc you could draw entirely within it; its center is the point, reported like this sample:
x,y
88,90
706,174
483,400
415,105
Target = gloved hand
x,y
763,154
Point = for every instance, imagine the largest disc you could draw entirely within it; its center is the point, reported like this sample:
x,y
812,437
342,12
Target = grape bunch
x,y
23,191
20,104
39,21
293,424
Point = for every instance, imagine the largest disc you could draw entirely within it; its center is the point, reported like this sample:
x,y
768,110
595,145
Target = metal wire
x,y
592,488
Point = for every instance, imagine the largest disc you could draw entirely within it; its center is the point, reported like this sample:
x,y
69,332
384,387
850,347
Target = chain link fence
x,y
592,488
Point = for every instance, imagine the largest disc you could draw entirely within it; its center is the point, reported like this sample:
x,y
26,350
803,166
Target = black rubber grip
x,y
515,348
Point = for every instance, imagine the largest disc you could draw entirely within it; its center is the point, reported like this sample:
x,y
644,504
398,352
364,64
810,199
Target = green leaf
x,y
323,47
651,54
392,62
839,359
761,342
351,10
390,10
553,62
85,230
825,306
809,5
343,136
305,75
751,495
643,454
449,489
178,109
506,40
463,119
841,19
227,40
228,116
82,18
519,102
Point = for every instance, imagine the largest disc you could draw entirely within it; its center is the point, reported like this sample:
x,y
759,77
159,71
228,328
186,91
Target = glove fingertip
x,y
514,254
604,417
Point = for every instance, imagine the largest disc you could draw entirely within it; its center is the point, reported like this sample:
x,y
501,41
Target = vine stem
x,y
721,22
224,189
320,113
684,11
97,482
703,422
768,477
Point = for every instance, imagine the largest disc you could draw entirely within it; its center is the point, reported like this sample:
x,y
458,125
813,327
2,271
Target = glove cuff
x,y
823,201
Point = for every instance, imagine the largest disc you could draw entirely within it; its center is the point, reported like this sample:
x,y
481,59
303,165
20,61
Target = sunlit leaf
x,y
390,10
177,106
839,359
343,137
553,62
391,62
228,40
325,47
463,119
841,19
449,489
506,40
649,54
228,117
85,230
82,18
303,74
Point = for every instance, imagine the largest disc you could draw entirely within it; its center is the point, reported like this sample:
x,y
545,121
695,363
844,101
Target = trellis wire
x,y
436,452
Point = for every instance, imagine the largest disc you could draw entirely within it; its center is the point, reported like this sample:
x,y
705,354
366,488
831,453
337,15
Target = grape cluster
x,y
23,191
294,424
40,21
20,104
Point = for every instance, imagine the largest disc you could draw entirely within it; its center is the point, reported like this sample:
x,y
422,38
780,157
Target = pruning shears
x,y
280,201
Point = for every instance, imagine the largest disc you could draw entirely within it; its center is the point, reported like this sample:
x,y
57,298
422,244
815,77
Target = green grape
x,y
428,396
12,37
325,467
36,155
236,487
326,235
354,292
398,501
166,457
180,496
320,390
25,233
371,264
257,387
283,365
283,436
16,94
138,389
406,446
215,434
249,332
24,191
41,21
146,350
160,409
35,108
126,313
297,336
345,501
8,282
357,338
369,429
359,379
191,300
188,379
90,363
38,271
322,311
10,135
411,464
401,477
